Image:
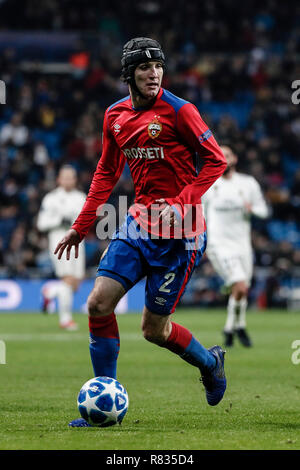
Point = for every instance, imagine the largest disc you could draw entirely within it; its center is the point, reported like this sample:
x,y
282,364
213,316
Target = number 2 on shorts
x,y
169,278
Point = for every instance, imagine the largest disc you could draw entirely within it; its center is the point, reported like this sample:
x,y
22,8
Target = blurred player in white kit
x,y
229,204
58,211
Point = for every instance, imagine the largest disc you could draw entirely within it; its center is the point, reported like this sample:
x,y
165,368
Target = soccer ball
x,y
103,401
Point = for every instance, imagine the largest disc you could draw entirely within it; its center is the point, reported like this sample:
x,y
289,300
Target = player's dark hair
x,y
137,51
67,166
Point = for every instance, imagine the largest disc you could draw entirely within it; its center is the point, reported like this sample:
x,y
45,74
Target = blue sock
x,y
104,345
182,342
198,356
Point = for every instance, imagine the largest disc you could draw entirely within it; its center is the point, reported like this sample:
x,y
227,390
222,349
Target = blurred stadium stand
x,y
236,61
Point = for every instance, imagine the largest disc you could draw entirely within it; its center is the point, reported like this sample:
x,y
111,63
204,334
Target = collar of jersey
x,y
143,108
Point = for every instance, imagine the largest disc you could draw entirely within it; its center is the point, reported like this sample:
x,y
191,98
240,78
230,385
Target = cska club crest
x,y
154,128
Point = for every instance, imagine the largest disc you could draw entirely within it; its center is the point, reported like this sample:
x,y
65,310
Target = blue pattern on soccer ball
x,y
97,417
120,401
95,389
119,386
104,402
105,380
121,415
83,411
81,396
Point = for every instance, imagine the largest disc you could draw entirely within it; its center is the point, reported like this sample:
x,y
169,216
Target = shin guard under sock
x,y
104,345
182,342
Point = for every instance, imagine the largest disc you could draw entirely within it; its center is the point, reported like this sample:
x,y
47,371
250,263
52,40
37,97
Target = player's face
x,y
231,157
148,77
67,179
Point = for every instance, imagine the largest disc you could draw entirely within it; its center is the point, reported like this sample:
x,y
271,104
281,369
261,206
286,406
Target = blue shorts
x,y
167,264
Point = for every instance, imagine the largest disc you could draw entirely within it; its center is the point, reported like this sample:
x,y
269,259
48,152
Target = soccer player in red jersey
x,y
158,134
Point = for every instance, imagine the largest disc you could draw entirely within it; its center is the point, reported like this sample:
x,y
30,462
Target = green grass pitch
x,y
45,368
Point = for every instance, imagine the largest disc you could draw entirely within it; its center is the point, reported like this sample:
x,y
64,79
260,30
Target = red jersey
x,y
159,144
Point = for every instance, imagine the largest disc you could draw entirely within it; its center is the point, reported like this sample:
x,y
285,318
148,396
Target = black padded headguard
x,y
135,52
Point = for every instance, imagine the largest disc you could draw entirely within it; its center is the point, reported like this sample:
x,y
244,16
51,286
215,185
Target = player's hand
x,y
167,213
248,207
70,239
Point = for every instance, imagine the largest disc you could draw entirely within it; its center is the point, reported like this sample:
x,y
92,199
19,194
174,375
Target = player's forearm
x,y
213,168
83,222
100,190
109,170
199,137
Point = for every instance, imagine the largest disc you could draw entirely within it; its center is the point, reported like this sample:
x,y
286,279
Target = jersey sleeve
x,y
108,172
259,206
199,137
49,217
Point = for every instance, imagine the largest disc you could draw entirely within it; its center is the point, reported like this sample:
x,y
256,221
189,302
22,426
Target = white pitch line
x,y
60,337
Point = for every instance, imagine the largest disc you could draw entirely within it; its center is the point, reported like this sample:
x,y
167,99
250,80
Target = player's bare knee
x,y
154,337
153,334
98,304
104,296
155,328
240,290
